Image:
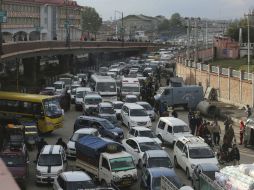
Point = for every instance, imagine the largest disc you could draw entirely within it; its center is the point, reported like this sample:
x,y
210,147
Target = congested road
x,y
247,154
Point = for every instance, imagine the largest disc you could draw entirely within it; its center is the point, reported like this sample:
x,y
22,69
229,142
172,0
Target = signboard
x,y
3,16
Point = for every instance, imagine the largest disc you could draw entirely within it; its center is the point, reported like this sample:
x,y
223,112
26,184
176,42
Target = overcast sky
x,y
214,9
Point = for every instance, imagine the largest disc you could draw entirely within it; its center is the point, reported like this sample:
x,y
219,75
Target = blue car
x,y
104,126
151,178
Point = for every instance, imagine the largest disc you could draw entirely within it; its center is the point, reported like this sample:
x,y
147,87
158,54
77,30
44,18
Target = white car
x,y
149,109
118,107
60,87
136,146
79,97
71,150
74,85
134,115
91,102
143,132
73,180
51,162
190,151
169,129
130,98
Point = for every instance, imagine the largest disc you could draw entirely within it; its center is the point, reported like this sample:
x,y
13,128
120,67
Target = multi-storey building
x,y
41,20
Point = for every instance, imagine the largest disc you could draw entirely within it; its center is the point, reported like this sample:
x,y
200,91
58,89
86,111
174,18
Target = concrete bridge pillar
x,y
65,63
31,70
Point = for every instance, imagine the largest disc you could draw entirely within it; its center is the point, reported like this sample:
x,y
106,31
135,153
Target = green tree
x,y
91,21
164,25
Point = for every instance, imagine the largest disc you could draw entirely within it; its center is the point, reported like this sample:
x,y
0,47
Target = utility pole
x,y
248,25
196,41
206,35
188,39
67,25
122,30
1,35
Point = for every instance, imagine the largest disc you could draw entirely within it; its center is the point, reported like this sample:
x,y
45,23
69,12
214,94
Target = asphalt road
x,y
247,154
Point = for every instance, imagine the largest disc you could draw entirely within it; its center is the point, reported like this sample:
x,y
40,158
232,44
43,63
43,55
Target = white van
x,y
130,86
51,162
60,87
169,129
79,97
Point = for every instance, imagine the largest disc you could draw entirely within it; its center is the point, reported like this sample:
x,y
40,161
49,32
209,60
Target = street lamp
x,y
67,25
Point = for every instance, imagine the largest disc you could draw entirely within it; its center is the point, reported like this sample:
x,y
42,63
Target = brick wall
x,y
233,86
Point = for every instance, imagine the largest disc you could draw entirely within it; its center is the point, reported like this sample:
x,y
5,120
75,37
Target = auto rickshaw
x,y
31,135
15,133
248,136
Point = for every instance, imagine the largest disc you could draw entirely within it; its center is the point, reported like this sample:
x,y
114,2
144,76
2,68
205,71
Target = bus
x,y
44,110
105,86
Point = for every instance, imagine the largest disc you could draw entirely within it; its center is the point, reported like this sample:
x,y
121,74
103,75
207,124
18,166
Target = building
x,y
41,20
225,47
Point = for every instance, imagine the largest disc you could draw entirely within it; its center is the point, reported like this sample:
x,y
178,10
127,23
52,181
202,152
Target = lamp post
x,y
67,25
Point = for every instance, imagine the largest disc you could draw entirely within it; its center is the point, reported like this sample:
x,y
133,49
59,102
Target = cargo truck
x,y
106,160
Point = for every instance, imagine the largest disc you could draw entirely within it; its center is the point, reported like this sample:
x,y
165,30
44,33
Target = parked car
x,y
90,104
131,98
151,178
156,158
208,169
134,115
191,151
53,157
117,107
71,150
136,146
73,180
169,129
143,132
149,109
105,127
106,109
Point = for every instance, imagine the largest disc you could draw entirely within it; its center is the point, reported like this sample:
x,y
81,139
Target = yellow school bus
x,y
44,110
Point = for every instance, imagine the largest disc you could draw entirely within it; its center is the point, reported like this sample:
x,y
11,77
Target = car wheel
x,y
188,173
176,163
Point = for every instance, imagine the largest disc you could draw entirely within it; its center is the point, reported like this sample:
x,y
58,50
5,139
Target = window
x,y
185,151
161,125
132,144
179,145
169,129
84,123
105,164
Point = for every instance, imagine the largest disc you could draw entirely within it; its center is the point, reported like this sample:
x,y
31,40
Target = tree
x,y
91,21
164,26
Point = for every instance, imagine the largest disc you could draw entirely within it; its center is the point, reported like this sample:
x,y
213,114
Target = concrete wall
x,y
234,87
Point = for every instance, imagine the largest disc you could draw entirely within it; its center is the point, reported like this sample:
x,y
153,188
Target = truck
x,y
106,161
185,96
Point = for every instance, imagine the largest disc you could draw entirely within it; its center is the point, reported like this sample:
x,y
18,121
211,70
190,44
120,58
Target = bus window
x,y
52,108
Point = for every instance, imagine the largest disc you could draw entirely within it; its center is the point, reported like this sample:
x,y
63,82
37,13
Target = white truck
x,y
106,161
130,86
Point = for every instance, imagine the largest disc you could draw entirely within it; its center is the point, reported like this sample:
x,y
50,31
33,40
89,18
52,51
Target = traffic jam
x,y
128,134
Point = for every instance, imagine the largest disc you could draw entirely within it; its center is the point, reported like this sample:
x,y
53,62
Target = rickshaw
x,y
248,135
31,134
15,135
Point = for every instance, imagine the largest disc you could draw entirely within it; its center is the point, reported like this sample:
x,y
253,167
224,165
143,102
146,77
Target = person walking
x,y
227,122
40,146
174,113
235,155
62,143
229,135
216,132
248,111
241,132
192,121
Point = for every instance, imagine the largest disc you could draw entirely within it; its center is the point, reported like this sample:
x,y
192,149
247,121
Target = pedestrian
x,y
229,135
241,132
192,121
248,111
227,122
163,108
62,143
216,132
200,129
40,145
174,113
235,155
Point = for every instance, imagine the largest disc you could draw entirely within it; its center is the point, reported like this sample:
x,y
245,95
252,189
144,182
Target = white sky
x,y
213,9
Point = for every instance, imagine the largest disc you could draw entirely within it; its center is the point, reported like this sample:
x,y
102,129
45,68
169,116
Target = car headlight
x,y
115,133
193,166
38,172
116,178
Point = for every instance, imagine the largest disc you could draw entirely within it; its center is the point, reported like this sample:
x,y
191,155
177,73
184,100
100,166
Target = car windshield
x,y
138,112
106,87
58,86
201,152
121,164
52,107
181,129
107,124
156,183
130,89
147,106
93,101
118,106
131,100
76,136
107,110
80,185
154,162
13,160
145,146
147,133
50,160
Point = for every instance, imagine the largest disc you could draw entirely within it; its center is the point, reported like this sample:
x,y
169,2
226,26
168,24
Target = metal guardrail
x,y
167,184
214,69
